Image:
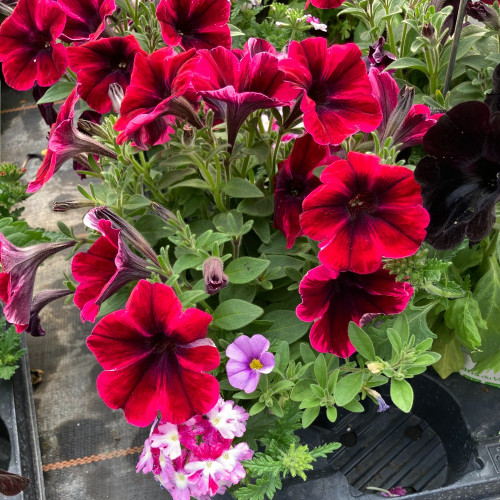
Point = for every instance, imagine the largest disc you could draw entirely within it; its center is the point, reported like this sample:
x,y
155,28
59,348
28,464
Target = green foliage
x,y
12,190
10,353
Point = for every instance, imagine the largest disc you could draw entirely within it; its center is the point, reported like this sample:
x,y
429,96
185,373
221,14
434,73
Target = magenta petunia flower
x,y
17,279
154,356
295,180
337,98
85,19
199,24
364,211
99,63
248,358
402,120
66,142
104,269
334,299
325,4
237,88
159,89
28,46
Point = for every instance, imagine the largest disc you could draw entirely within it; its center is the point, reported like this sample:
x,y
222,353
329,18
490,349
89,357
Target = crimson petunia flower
x,y
85,19
199,24
99,63
364,211
240,87
104,269
17,279
159,89
294,181
337,97
28,46
154,356
65,142
325,4
335,299
460,178
402,120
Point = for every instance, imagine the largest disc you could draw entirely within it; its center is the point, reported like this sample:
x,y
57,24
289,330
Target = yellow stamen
x,y
256,364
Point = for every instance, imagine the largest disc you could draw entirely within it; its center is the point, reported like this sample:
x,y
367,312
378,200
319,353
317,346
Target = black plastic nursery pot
x,y
19,446
447,448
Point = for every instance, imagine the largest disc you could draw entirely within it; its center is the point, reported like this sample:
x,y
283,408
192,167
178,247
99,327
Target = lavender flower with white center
x,y
248,359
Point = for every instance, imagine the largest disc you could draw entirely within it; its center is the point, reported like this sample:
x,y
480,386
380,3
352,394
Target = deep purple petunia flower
x,y
378,57
17,279
295,180
28,46
460,178
248,358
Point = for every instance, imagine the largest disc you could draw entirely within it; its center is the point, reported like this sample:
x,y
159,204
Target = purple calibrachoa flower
x,y
248,358
17,279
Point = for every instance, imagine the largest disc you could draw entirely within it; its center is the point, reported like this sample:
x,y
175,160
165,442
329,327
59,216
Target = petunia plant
x,y
278,223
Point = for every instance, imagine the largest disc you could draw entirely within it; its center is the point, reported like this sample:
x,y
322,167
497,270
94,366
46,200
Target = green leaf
x,y
152,228
309,416
260,207
242,292
464,316
361,341
310,402
256,408
402,394
242,188
426,359
192,183
283,353
347,388
235,313
331,413
354,406
286,326
302,390
452,357
320,371
395,340
402,327
57,92
136,202
408,62
187,261
307,354
417,320
245,269
191,297
262,229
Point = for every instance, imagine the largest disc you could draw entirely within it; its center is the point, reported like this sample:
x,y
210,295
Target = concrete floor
x,y
73,422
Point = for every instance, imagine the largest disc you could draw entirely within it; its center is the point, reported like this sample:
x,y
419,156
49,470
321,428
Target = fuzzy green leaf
x,y
245,269
347,388
402,394
235,313
361,341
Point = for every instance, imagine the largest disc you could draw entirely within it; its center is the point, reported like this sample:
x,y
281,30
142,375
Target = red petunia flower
x,y
104,269
337,96
28,45
364,211
402,120
85,19
65,142
237,88
17,279
154,356
99,63
335,299
199,24
159,89
325,4
294,181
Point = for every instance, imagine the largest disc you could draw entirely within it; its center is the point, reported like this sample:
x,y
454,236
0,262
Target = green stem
x,y
272,170
390,34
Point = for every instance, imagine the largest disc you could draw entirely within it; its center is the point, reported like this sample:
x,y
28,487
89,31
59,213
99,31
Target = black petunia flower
x,y
460,178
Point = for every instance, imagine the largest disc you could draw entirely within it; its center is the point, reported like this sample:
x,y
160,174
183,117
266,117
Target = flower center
x,y
208,464
360,203
47,45
294,188
256,364
122,65
162,345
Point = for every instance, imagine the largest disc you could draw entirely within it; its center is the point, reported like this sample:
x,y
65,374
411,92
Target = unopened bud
x,y
64,206
163,213
400,112
428,31
213,274
375,367
116,94
187,135
91,128
484,14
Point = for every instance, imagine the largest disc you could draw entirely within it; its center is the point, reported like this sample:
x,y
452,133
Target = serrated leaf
x,y
347,388
361,341
402,394
235,313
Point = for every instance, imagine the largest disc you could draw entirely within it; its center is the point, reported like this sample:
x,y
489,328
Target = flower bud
x,y
91,128
163,213
375,367
116,94
483,13
187,135
400,112
213,274
64,206
429,31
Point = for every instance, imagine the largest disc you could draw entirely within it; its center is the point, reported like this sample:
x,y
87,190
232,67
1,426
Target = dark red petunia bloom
x,y
154,356
99,63
65,142
159,89
17,279
85,19
237,88
294,181
198,24
460,178
364,211
335,299
402,120
28,45
325,4
104,269
337,96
